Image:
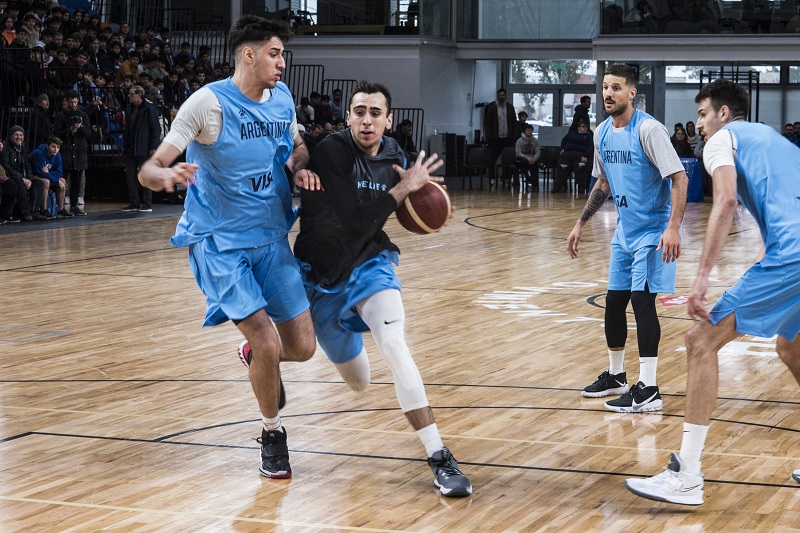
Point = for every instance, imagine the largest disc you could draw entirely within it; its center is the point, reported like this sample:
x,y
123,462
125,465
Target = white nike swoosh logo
x,y
635,405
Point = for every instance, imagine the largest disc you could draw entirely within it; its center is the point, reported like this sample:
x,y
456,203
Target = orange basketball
x,y
425,210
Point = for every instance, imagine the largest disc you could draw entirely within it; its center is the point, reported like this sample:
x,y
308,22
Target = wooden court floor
x,y
120,413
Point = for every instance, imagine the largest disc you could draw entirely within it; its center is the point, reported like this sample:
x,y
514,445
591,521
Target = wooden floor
x,y
120,413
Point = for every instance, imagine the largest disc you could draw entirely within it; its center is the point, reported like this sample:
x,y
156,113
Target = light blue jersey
x,y
241,197
641,194
768,185
766,299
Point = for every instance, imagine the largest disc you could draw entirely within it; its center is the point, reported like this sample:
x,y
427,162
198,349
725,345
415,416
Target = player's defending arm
x,y
158,175
719,224
597,198
670,241
298,165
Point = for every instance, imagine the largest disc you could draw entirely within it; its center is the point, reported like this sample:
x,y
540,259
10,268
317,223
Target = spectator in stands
x,y
681,145
200,78
522,121
18,68
40,124
305,113
323,113
163,35
8,195
68,26
150,66
15,162
54,23
203,61
47,168
577,149
403,134
171,91
141,38
97,58
788,132
527,152
692,137
310,137
500,127
125,31
74,128
796,127
581,112
185,52
167,57
127,47
62,73
9,32
337,106
32,25
142,137
339,124
129,67
113,59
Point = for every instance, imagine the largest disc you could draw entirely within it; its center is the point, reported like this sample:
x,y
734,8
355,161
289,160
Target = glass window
x,y
688,73
538,106
552,72
794,74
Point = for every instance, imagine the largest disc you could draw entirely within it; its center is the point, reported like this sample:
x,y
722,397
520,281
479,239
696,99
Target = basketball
x,y
425,210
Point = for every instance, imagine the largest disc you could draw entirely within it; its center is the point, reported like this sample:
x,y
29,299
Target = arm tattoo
x,y
593,204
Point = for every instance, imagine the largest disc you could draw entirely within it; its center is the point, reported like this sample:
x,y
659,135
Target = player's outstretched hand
x,y
178,174
670,243
694,304
414,177
573,239
306,179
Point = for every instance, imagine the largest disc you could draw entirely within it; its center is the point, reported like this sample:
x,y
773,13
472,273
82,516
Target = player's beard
x,y
618,109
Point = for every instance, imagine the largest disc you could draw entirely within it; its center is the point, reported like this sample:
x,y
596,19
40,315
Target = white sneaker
x,y
673,485
80,200
796,475
66,199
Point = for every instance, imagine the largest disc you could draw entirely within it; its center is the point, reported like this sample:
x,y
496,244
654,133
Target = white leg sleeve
x,y
355,372
384,314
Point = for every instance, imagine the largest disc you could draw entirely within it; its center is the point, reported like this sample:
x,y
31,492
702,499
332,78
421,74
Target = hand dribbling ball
x,y
425,210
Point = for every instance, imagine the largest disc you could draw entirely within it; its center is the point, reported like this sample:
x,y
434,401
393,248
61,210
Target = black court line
x,y
592,300
413,459
372,383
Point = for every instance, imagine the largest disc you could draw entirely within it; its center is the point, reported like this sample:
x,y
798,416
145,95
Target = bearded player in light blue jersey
x,y
238,134
635,162
752,164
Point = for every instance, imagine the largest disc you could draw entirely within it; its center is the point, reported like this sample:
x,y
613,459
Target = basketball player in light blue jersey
x,y
754,164
238,134
635,162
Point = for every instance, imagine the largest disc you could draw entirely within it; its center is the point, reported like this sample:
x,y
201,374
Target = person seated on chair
x,y
577,148
527,152
403,135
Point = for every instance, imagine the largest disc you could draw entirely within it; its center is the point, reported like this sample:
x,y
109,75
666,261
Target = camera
x,y
77,120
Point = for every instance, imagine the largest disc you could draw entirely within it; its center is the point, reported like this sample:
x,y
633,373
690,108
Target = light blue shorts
x,y
631,270
765,300
237,283
336,321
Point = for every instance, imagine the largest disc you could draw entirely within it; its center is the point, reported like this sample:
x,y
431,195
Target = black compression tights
x,y
648,329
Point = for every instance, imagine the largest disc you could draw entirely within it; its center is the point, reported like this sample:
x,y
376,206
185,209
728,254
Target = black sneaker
x,y
38,216
245,355
47,214
274,454
447,476
64,213
130,208
77,211
12,220
639,399
27,218
607,385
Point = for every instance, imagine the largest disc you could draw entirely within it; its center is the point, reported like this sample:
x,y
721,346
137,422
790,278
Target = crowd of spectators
x,y
51,56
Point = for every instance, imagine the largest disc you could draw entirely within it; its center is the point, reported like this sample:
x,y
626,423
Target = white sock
x,y
429,435
616,361
647,370
694,439
271,424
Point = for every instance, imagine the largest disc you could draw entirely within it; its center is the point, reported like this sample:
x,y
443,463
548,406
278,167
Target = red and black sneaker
x,y
245,355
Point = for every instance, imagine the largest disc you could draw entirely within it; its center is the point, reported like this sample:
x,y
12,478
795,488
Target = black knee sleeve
x,y
616,320
648,329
